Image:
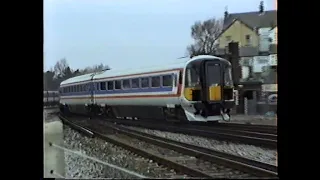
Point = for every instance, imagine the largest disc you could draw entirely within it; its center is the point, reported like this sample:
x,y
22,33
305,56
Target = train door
x,y
212,81
91,93
92,89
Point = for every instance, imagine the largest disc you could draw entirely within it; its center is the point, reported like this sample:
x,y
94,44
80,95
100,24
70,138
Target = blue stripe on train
x,y
121,91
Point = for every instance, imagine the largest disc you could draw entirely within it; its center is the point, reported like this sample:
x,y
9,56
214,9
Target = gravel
x,y
248,151
80,167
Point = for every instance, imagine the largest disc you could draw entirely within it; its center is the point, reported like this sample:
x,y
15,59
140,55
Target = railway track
x,y
269,129
50,107
222,131
189,159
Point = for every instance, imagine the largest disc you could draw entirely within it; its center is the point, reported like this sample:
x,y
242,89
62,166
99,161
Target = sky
x,y
127,33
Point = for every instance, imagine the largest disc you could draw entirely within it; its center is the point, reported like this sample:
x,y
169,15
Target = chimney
x,y
261,7
226,12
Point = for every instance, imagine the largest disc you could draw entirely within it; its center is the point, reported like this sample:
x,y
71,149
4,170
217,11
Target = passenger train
x,y
197,89
50,98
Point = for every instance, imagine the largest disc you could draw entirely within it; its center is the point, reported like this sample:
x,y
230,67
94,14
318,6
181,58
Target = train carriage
x,y
50,98
199,89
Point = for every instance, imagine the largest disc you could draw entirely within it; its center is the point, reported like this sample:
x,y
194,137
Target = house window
x,y
226,49
248,40
228,39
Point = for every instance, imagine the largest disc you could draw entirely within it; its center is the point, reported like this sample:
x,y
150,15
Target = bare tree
x,y
60,68
62,71
205,34
95,68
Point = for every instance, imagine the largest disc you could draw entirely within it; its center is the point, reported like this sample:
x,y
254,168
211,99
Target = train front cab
x,y
209,88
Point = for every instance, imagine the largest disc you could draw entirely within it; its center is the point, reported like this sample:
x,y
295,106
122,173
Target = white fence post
x,y
54,164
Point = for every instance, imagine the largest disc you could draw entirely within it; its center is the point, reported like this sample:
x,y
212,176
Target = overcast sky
x,y
127,33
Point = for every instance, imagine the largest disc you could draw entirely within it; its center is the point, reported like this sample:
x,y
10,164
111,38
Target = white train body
x,y
158,92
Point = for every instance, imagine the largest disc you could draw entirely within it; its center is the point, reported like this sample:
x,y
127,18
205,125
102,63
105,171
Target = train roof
x,y
130,71
177,64
85,77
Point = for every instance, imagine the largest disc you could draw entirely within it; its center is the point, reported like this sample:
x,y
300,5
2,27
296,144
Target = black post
x,y
236,72
234,60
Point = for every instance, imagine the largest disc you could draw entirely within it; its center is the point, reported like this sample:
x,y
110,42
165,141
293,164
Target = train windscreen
x,y
228,77
213,74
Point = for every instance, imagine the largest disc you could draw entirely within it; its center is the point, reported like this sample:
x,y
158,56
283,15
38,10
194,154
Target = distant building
x,y
256,33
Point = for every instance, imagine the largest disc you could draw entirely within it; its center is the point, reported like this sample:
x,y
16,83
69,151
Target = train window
x,y
167,80
155,81
77,88
81,88
135,83
103,86
126,84
145,82
110,85
117,84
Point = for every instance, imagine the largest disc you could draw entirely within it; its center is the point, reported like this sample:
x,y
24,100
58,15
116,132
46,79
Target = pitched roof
x,y
253,19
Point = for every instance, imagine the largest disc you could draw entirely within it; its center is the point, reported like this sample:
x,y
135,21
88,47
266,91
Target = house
x,y
256,33
247,28
273,35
